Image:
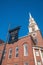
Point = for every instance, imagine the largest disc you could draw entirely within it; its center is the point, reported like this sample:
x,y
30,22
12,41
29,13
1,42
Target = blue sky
x,y
15,12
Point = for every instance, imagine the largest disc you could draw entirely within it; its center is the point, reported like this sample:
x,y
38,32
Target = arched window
x,y
16,51
25,50
36,40
10,52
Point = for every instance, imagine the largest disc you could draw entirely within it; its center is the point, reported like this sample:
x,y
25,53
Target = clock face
x,y
34,34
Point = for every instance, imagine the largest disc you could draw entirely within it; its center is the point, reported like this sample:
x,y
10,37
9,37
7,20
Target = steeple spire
x,y
30,15
32,24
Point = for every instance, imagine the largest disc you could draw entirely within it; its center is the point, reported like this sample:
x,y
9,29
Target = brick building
x,y
27,50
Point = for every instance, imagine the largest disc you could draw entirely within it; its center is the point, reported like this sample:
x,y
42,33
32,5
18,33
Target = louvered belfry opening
x,y
13,35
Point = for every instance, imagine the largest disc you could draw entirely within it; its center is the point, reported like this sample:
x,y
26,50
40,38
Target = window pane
x,y
16,49
10,56
4,54
25,63
25,50
38,63
16,52
10,52
35,40
15,64
36,52
42,53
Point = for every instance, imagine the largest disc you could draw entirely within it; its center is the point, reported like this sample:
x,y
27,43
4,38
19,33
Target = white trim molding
x,y
41,55
34,57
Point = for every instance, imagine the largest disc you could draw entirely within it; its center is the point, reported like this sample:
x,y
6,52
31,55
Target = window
x,y
16,51
26,63
38,63
4,54
35,40
10,53
36,52
15,64
42,53
33,29
25,50
42,60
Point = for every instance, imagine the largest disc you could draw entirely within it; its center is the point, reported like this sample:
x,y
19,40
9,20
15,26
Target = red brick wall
x,y
21,59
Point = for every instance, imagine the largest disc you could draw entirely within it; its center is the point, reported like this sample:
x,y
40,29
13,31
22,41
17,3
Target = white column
x,y
34,56
41,55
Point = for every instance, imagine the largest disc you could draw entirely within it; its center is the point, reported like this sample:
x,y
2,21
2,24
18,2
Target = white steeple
x,y
32,24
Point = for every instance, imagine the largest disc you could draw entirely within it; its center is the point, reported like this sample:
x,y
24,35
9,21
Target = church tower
x,y
32,25
34,31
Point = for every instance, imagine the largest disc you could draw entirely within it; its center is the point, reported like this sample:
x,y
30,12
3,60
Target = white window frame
x,y
25,50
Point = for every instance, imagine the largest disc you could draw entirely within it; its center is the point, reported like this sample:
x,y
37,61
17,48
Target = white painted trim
x,y
25,50
38,48
41,55
34,56
35,47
